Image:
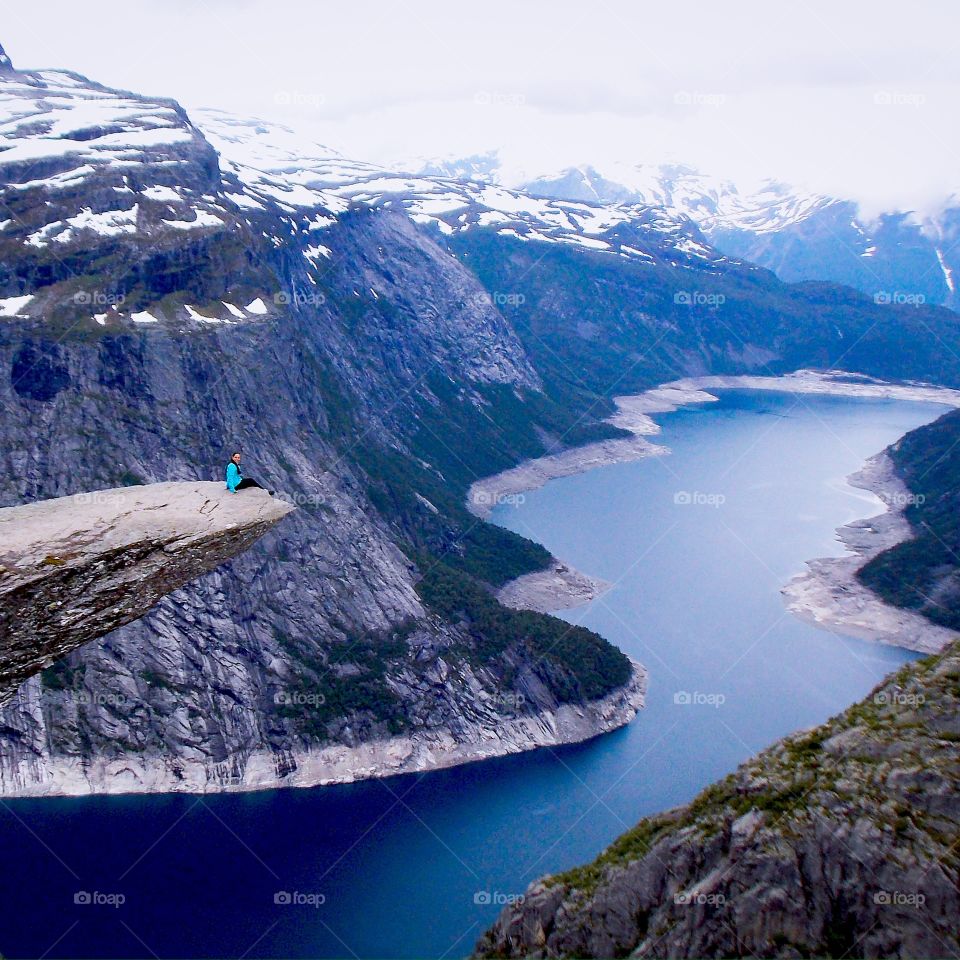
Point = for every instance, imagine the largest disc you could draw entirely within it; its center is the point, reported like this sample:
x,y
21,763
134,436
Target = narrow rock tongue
x,y
6,65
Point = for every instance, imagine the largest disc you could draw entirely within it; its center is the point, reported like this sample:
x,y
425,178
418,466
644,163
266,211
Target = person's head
x,y
236,458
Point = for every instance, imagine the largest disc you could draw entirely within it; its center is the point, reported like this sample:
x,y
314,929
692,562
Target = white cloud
x,y
855,98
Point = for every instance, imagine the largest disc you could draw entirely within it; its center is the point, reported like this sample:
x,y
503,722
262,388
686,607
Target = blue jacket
x,y
234,476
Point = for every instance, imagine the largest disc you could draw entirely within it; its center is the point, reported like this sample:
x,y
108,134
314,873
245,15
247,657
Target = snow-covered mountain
x,y
275,162
896,257
87,166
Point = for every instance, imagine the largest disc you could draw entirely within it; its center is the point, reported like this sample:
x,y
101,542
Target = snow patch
x,y
11,306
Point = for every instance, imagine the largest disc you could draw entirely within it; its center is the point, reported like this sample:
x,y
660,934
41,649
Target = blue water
x,y
417,866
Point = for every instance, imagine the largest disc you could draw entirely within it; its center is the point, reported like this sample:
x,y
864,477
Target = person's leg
x,y
246,483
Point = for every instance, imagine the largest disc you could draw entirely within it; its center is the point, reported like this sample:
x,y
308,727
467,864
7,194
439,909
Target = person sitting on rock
x,y
236,480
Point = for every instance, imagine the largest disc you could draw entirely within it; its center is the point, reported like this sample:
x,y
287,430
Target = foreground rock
x,y
840,841
74,568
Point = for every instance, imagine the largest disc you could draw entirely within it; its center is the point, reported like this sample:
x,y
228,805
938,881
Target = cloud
x,y
856,99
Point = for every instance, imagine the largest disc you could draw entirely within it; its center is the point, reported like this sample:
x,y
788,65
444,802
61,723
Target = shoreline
x,y
828,593
338,764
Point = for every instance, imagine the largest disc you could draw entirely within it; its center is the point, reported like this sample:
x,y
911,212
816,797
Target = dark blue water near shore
x,y
698,545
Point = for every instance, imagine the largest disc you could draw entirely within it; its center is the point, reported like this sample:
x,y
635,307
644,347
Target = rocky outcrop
x,y
839,841
74,568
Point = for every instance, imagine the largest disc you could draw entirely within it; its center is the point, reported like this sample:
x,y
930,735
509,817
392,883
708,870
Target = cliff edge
x,y
75,568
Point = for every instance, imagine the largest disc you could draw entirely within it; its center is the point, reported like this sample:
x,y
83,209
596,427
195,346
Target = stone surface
x,y
840,841
74,568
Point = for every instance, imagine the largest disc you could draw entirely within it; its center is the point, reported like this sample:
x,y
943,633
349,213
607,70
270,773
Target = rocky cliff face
x,y
74,568
840,841
169,294
154,323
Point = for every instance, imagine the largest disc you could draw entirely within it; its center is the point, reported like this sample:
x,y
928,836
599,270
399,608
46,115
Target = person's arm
x,y
233,477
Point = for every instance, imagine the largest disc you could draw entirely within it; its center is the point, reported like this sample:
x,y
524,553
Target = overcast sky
x,y
855,99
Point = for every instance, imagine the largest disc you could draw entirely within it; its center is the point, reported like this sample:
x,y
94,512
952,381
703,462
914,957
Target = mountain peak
x,y
6,64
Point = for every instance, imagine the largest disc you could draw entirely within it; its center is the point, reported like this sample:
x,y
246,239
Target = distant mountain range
x,y
896,257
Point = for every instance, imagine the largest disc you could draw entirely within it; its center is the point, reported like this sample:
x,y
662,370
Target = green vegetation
x,y
628,847
347,684
597,326
923,573
581,664
62,676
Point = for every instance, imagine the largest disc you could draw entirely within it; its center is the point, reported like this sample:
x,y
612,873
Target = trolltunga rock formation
x,y
75,568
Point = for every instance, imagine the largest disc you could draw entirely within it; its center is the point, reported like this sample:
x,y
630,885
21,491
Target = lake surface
x,y
697,544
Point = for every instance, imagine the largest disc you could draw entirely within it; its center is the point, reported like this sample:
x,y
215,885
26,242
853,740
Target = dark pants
x,y
246,483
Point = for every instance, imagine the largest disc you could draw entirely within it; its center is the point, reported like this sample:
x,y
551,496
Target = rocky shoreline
x,y
494,736
829,593
559,587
